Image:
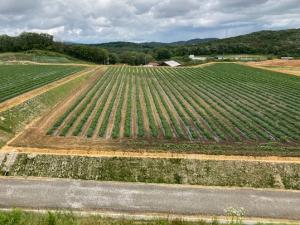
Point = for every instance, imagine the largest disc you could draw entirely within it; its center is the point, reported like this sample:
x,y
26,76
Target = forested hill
x,y
283,42
279,43
121,46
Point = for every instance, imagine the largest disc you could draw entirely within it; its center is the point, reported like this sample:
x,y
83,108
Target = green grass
x,y
15,119
170,171
19,217
39,56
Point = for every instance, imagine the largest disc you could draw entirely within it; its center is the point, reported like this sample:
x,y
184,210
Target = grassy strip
x,y
19,217
171,171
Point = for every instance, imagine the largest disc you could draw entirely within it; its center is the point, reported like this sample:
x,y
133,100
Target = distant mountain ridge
x,y
279,42
155,44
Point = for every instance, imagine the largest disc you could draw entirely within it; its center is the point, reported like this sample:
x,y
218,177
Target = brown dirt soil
x,y
291,67
277,62
129,154
31,94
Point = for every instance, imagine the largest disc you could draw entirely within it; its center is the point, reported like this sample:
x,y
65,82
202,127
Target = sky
x,y
98,21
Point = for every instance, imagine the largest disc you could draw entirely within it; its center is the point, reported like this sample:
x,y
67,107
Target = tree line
x,y
280,43
39,41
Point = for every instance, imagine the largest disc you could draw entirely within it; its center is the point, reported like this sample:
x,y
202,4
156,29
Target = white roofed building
x,y
172,63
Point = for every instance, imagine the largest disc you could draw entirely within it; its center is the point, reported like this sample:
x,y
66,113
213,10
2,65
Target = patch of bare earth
x,y
107,152
291,67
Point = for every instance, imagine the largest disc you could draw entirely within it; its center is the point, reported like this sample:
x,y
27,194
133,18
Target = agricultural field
x,y
18,79
227,103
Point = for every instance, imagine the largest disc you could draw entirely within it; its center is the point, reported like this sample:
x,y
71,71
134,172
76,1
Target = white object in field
x,y
193,57
287,58
172,63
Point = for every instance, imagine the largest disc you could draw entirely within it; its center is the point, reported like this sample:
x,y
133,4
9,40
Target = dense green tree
x,y
162,53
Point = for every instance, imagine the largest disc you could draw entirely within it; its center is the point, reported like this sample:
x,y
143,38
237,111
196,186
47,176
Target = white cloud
x,y
140,20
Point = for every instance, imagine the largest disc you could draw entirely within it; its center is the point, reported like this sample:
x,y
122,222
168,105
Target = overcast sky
x,y
95,21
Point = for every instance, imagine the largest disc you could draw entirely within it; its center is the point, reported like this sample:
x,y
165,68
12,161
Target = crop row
x,y
18,79
223,103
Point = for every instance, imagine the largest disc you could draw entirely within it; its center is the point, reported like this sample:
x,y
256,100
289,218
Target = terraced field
x,y
18,79
219,103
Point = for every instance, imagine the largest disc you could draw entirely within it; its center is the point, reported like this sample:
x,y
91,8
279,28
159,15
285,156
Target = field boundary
x,y
160,155
10,103
283,71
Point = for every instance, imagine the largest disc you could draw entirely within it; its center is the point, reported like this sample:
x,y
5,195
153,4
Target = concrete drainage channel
x,y
6,161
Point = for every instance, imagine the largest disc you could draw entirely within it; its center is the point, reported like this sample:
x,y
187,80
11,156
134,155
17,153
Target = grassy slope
x,y
18,217
39,56
172,171
15,119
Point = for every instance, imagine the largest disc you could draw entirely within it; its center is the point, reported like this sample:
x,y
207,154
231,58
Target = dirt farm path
x,y
31,94
155,155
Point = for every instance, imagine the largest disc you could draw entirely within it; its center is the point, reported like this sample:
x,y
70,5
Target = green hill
x,y
38,56
282,42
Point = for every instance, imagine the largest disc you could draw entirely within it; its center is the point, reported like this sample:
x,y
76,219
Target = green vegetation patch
x,y
171,171
15,119
18,79
19,217
223,103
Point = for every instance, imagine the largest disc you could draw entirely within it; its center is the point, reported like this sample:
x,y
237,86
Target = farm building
x,y
152,64
201,58
287,58
171,63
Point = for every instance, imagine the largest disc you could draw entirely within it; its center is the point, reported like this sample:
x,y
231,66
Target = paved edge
x,y
195,186
152,216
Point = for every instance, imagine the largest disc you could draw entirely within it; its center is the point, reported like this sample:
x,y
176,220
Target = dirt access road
x,y
141,198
